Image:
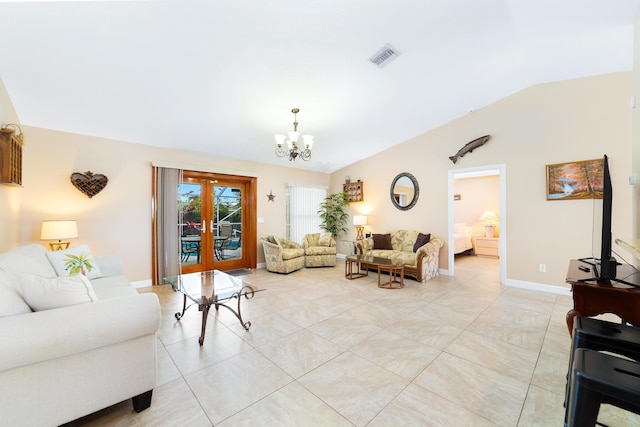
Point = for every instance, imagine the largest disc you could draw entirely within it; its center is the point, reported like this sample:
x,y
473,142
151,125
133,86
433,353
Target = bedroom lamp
x,y
58,230
490,219
360,221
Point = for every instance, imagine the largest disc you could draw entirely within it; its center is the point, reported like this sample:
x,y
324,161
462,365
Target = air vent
x,y
384,56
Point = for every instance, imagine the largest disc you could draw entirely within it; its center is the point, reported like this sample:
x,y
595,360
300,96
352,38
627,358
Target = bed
x,y
461,238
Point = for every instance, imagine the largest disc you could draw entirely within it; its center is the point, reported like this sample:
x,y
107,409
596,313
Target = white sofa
x,y
60,364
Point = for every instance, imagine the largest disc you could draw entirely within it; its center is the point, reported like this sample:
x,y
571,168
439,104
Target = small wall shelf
x,y
354,190
10,158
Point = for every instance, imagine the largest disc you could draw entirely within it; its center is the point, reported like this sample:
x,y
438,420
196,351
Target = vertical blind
x,y
166,250
302,211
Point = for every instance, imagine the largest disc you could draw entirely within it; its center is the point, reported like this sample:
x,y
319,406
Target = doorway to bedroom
x,y
477,218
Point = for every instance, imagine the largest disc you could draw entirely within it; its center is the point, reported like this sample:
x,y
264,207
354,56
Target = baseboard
x,y
554,289
261,265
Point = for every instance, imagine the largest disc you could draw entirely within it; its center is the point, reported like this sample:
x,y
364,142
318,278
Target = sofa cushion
x,y
382,241
67,262
421,240
324,239
292,253
27,259
11,301
43,293
321,250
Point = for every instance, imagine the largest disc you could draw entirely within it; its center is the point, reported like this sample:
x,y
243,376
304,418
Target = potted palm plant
x,y
333,215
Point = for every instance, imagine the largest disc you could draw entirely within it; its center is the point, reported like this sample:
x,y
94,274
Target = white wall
x,y
118,220
477,195
556,122
545,124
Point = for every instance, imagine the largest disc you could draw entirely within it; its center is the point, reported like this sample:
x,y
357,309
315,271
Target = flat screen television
x,y
604,264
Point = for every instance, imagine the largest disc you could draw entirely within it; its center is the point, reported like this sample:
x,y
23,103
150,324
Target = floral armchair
x,y
319,250
282,255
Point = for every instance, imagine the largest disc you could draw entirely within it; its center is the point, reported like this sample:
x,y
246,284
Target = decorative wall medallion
x,y
88,183
271,196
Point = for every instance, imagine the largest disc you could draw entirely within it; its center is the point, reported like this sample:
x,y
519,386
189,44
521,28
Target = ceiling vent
x,y
384,56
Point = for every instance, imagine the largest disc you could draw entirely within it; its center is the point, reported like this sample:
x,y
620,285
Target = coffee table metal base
x,y
206,304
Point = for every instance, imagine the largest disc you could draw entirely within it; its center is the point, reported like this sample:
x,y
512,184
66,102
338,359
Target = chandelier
x,y
292,149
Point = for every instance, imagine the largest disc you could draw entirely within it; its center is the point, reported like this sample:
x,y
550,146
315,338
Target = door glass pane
x,y
190,222
227,222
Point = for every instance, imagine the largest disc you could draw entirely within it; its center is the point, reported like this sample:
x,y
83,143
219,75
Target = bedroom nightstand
x,y
487,246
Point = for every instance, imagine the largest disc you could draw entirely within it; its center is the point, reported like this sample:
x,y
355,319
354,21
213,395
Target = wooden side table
x,y
591,298
395,281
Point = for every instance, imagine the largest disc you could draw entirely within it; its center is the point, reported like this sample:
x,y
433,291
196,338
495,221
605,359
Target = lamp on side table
x,y
58,230
360,221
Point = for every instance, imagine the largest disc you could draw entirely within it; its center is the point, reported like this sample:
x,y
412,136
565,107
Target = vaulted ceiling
x,y
221,77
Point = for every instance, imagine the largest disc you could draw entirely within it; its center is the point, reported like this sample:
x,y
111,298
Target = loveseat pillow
x,y
324,239
43,293
76,260
11,302
422,240
382,241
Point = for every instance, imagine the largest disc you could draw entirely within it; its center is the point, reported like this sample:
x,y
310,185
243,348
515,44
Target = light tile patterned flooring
x,y
326,351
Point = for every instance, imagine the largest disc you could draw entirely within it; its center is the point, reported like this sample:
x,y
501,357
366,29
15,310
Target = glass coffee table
x,y
362,262
211,288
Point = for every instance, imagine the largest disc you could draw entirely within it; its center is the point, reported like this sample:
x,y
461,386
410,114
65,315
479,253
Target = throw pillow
x,y
76,260
325,239
382,241
11,302
422,240
42,293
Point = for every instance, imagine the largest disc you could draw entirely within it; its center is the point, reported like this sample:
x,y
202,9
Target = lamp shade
x,y
489,216
58,230
359,220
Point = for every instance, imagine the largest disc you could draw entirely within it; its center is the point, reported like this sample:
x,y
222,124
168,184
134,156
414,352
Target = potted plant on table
x,y
333,215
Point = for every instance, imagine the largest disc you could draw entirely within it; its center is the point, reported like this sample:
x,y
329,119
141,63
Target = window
x,y
302,211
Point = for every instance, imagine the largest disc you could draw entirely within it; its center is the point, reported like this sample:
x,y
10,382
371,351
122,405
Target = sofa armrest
x,y
272,249
50,334
430,249
110,265
364,246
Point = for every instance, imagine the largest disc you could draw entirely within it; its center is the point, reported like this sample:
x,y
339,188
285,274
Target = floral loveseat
x,y
420,260
319,250
71,345
282,255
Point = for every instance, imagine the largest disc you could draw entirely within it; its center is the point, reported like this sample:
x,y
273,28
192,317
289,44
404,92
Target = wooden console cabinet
x,y
487,246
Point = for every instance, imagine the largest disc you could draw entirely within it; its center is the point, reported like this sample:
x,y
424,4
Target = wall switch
x,y
260,220
633,179
542,268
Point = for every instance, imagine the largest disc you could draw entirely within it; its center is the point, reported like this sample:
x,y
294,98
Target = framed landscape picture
x,y
575,180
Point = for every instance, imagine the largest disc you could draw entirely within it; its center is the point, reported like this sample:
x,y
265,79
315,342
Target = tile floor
x,y
326,351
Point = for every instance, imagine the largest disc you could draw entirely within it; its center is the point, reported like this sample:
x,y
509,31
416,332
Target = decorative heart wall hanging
x,y
88,183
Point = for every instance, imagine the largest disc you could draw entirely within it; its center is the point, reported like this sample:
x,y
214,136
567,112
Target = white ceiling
x,y
221,77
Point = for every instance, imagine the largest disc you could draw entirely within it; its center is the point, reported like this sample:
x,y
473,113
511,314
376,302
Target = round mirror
x,y
404,191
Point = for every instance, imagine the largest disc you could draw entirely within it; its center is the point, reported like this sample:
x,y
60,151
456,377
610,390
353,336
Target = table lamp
x,y
360,221
58,230
490,225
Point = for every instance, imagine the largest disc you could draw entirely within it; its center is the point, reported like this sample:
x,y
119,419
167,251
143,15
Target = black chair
x,y
600,335
599,378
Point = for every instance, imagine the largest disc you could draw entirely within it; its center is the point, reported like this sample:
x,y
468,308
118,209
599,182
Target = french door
x,y
217,217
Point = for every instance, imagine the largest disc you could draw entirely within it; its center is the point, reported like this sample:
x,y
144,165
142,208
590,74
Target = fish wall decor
x,y
469,147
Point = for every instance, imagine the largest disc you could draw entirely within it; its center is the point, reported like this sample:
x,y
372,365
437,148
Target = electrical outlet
x,y
542,268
